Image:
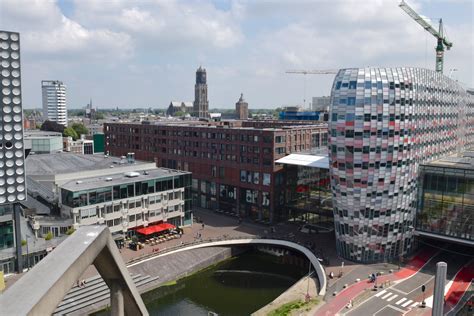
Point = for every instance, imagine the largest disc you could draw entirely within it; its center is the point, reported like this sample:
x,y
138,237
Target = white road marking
x,y
400,301
407,303
387,295
380,293
414,304
392,298
396,308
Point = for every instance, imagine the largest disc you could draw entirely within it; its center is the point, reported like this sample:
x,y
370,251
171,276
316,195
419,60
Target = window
x,y
266,179
256,178
243,176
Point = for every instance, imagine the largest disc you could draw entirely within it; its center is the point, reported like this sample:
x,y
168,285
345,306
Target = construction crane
x,y
442,39
311,72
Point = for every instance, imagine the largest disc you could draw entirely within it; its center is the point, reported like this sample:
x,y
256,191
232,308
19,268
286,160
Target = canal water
x,y
237,286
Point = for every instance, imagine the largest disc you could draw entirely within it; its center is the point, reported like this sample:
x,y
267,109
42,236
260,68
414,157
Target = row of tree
x,y
75,130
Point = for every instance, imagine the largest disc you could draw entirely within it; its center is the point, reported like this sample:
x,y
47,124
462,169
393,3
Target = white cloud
x,y
174,23
46,31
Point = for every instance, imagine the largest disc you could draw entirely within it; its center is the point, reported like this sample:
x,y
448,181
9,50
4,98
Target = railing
x,y
253,239
203,241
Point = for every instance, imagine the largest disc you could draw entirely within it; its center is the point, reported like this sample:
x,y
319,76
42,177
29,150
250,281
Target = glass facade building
x,y
446,201
385,122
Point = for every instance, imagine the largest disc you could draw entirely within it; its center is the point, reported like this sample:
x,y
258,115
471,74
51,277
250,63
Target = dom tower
x,y
201,104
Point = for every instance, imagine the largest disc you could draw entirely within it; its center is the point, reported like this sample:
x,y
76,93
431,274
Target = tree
x,y
99,116
70,132
179,113
80,129
51,126
48,236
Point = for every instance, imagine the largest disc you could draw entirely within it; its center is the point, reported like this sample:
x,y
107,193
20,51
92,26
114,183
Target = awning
x,y
312,161
155,228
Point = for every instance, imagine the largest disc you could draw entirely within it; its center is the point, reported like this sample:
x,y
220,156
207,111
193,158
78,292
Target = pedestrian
x,y
202,225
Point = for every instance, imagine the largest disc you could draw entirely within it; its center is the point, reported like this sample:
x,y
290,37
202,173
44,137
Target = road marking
x,y
392,298
396,308
414,304
407,303
397,290
380,293
387,295
399,301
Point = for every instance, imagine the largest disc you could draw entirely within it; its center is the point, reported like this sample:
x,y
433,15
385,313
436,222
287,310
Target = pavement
x,y
343,298
402,294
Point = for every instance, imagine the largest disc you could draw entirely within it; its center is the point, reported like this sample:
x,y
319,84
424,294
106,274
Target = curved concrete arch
x,y
247,241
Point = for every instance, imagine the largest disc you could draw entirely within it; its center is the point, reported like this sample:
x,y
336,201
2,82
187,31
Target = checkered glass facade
x,y
12,154
384,122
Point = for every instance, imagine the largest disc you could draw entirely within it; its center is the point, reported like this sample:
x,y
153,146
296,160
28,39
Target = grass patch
x,y
288,308
170,283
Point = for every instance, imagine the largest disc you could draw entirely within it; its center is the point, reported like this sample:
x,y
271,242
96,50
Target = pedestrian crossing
x,y
402,301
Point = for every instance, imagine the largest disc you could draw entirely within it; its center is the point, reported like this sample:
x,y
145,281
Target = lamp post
x,y
27,254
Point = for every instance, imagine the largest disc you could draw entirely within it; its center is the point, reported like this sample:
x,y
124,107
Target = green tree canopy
x,y
80,129
70,132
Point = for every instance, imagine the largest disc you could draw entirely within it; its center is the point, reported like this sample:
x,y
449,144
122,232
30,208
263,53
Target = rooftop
x,y
464,161
40,134
312,161
119,178
57,163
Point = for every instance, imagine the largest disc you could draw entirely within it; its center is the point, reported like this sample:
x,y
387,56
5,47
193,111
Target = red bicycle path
x,y
342,299
460,285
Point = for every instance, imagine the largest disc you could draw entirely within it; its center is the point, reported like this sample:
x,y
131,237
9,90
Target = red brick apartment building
x,y
232,162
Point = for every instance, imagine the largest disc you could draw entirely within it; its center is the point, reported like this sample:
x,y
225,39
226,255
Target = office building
x,y
233,162
384,123
446,199
80,146
54,101
296,113
320,104
42,142
120,192
201,103
242,108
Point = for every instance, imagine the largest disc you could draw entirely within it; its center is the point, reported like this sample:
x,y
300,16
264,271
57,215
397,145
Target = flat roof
x,y
58,163
119,178
312,161
466,161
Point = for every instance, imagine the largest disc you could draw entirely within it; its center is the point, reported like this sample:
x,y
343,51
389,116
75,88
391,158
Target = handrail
x,y
202,241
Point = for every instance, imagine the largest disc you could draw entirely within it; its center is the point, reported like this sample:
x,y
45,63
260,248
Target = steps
x,y
93,292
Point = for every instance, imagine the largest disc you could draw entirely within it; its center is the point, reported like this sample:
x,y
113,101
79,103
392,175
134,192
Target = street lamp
x,y
27,254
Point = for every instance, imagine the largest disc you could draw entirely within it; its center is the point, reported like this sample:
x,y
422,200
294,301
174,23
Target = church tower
x,y
201,104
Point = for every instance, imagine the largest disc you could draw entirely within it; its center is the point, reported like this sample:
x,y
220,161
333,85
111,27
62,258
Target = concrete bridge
x,y
247,241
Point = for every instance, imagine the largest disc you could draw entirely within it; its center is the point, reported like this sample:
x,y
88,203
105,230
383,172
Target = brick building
x,y
232,162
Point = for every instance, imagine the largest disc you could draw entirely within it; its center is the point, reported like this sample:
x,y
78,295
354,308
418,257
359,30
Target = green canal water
x,y
237,286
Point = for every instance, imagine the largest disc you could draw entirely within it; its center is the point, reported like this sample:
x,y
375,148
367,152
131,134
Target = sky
x,y
126,54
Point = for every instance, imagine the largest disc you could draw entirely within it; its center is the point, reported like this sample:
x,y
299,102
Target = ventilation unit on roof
x,y
108,179
132,174
78,182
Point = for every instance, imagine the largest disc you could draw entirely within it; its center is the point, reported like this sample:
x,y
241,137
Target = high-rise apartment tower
x,y
54,101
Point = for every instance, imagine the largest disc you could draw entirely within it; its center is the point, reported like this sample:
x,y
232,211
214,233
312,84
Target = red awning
x,y
155,228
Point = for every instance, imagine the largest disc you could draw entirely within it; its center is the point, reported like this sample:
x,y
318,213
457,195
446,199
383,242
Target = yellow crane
x,y
441,38
311,72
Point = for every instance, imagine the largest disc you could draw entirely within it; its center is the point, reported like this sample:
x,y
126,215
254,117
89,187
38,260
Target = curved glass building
x,y
384,122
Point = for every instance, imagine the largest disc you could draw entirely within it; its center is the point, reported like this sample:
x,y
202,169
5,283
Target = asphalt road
x,y
400,298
